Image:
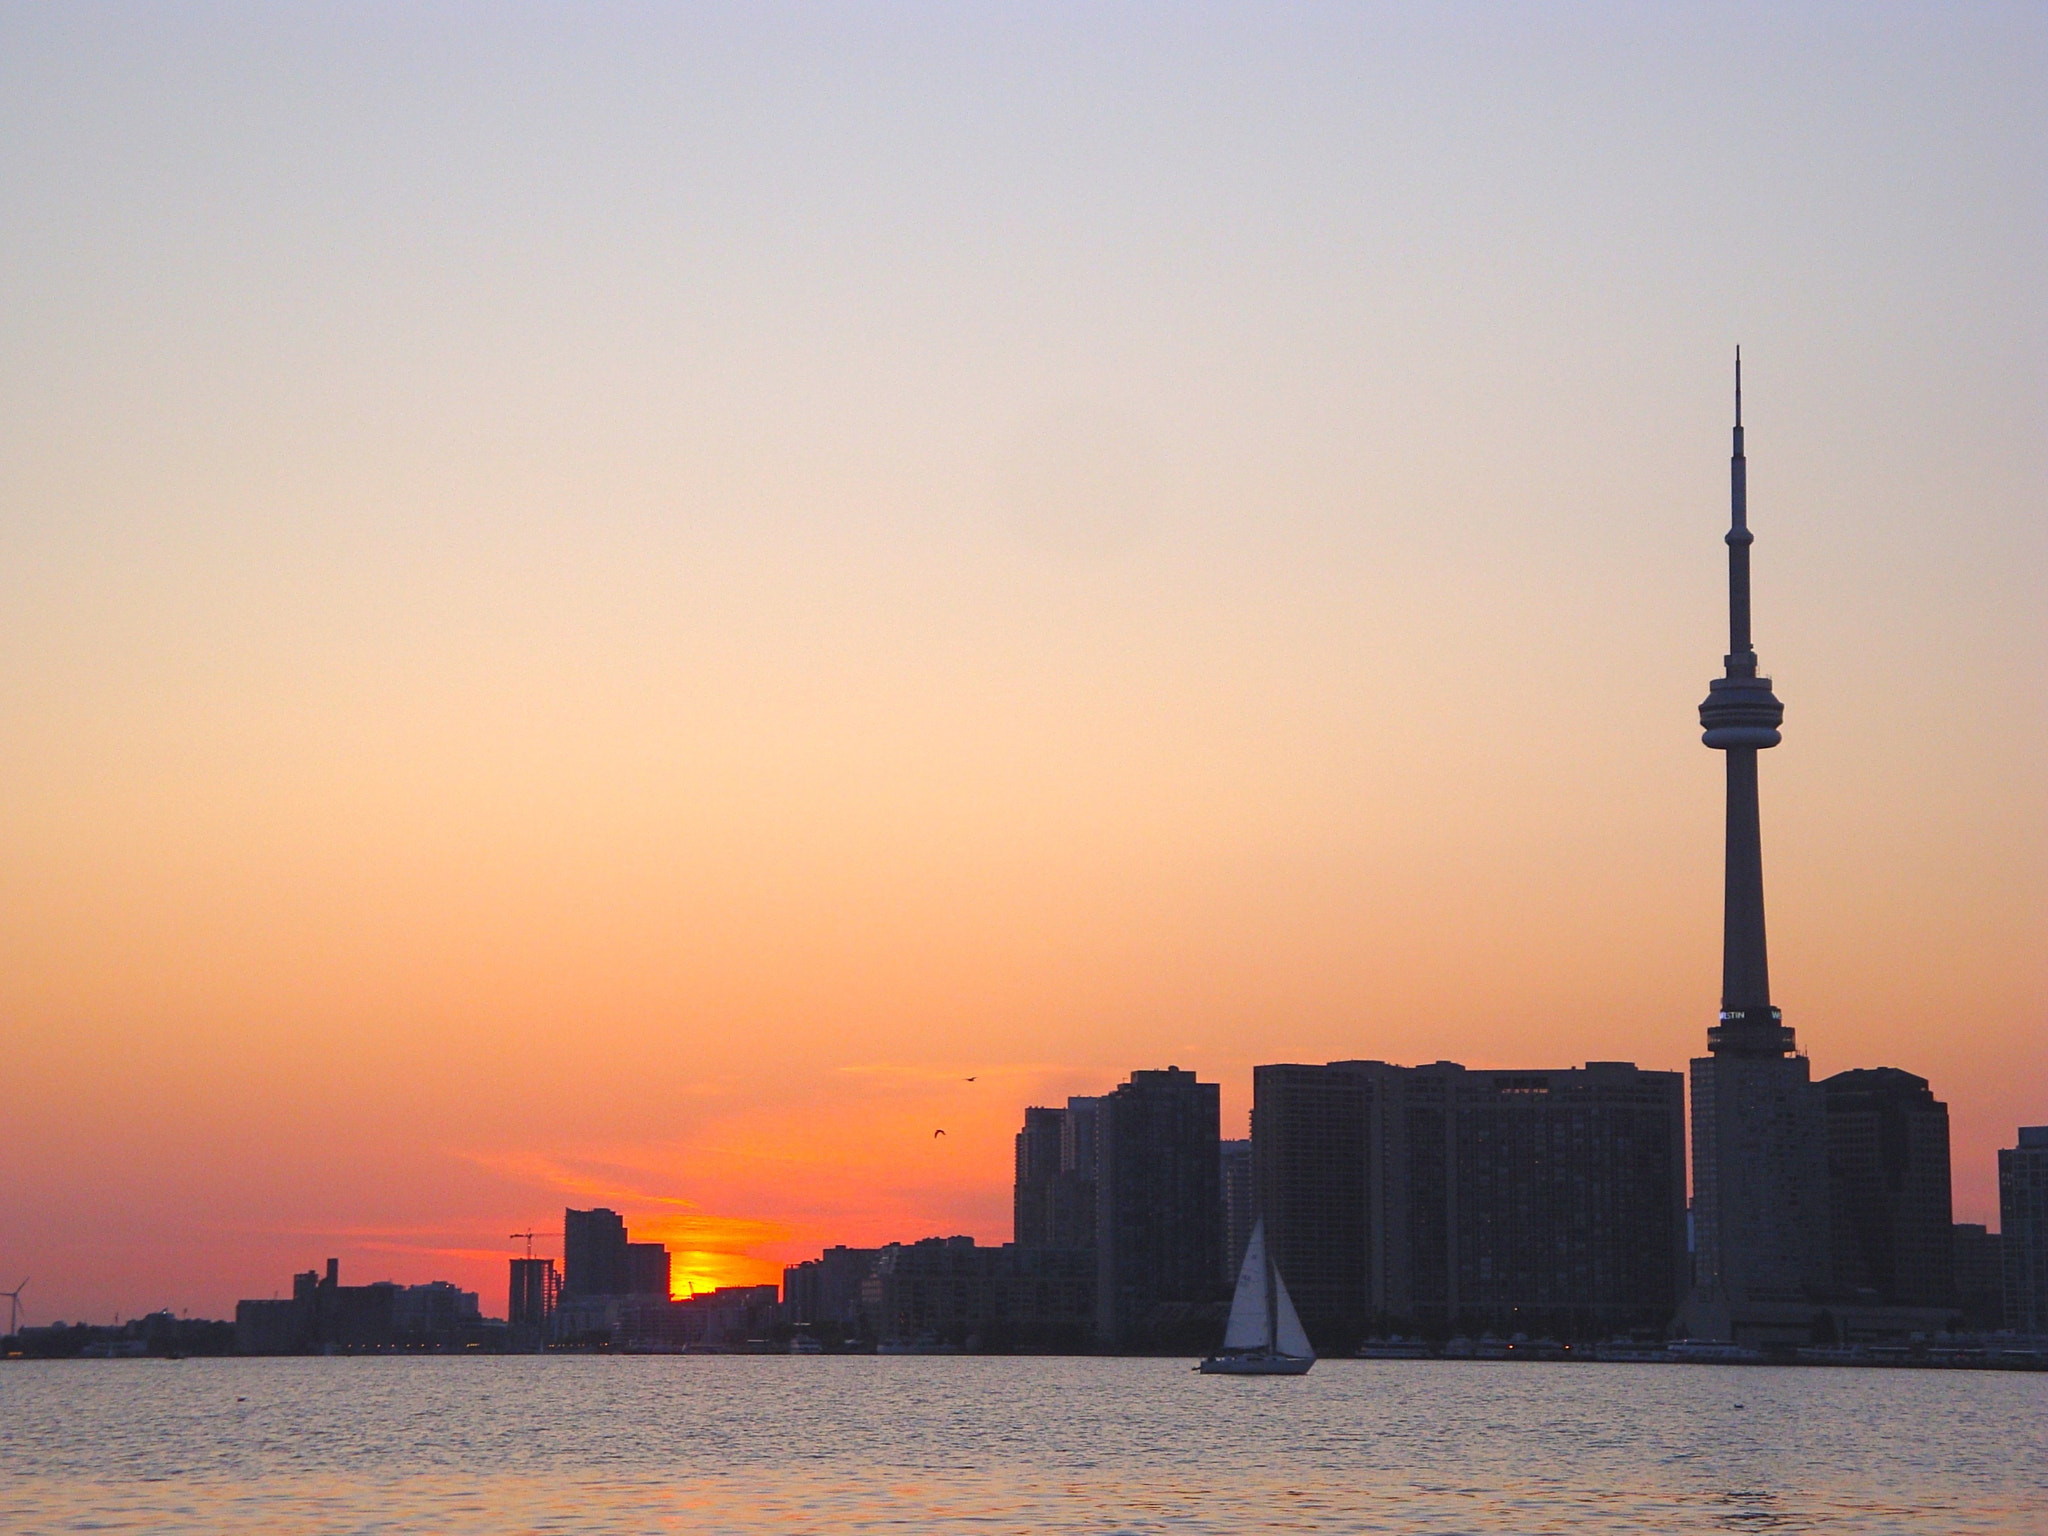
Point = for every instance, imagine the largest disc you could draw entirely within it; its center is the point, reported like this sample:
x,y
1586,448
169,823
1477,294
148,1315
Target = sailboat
x,y
1264,1336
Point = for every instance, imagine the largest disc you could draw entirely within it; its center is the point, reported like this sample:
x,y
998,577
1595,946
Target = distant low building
x,y
733,1316
825,1291
272,1328
160,1334
952,1291
433,1313
728,1318
326,1317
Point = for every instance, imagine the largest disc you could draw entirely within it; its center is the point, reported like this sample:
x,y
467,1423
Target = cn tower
x,y
1740,717
1759,1132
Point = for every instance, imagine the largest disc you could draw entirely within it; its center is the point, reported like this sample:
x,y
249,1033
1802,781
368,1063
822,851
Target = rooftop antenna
x,y
14,1306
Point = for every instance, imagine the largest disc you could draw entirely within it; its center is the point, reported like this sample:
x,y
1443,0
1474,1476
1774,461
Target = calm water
x,y
1017,1445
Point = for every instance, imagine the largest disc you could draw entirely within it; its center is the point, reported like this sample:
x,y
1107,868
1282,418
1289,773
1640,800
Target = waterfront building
x,y
2023,1213
1759,1133
273,1327
648,1270
163,1335
732,1318
952,1292
534,1291
1238,1205
346,1317
1444,1198
1074,1214
723,1319
325,1316
437,1310
1326,1198
827,1289
594,1260
1037,1178
1053,1205
1079,1138
1158,1211
1892,1236
1980,1277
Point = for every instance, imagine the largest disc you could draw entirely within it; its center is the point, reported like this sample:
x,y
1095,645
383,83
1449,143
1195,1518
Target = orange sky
x,y
603,613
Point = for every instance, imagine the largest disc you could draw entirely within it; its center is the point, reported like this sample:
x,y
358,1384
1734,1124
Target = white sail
x,y
1247,1328
1292,1340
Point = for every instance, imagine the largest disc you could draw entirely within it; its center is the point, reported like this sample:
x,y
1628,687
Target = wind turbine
x,y
14,1306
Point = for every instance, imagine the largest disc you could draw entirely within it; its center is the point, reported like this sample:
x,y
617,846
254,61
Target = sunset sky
x,y
602,604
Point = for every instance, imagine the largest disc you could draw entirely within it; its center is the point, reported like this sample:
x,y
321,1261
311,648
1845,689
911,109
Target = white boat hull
x,y
1256,1365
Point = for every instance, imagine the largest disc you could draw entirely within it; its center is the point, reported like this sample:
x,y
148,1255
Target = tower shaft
x,y
1745,963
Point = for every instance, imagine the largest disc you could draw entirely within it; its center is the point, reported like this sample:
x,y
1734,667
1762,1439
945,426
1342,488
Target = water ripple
x,y
592,1446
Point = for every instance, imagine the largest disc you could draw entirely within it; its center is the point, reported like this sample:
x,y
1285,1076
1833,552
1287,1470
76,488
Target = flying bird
x,y
970,1079
938,1133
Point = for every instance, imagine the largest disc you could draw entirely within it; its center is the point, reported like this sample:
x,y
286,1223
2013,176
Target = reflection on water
x,y
830,1445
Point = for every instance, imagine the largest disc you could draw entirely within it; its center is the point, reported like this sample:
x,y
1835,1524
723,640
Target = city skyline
x,y
644,615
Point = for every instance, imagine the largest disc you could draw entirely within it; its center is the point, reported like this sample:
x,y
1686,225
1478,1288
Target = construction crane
x,y
529,1236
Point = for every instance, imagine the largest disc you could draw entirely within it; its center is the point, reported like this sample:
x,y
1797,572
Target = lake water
x,y
913,1444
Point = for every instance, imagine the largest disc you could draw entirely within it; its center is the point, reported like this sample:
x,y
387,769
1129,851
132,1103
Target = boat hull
x,y
1256,1365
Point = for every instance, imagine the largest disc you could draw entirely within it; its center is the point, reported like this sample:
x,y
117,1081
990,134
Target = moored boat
x,y
1396,1348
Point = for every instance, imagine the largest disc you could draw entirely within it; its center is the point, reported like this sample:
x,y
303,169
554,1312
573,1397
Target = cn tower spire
x,y
1740,717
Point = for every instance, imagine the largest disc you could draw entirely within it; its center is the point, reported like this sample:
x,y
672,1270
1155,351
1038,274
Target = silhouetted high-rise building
x,y
1038,1178
1891,1226
1054,1199
1759,1136
1980,1277
1238,1205
647,1269
1159,1209
594,1254
1325,1196
2023,1213
1078,1136
535,1287
1440,1197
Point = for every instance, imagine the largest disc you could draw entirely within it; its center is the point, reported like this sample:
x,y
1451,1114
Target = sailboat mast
x,y
1272,1302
